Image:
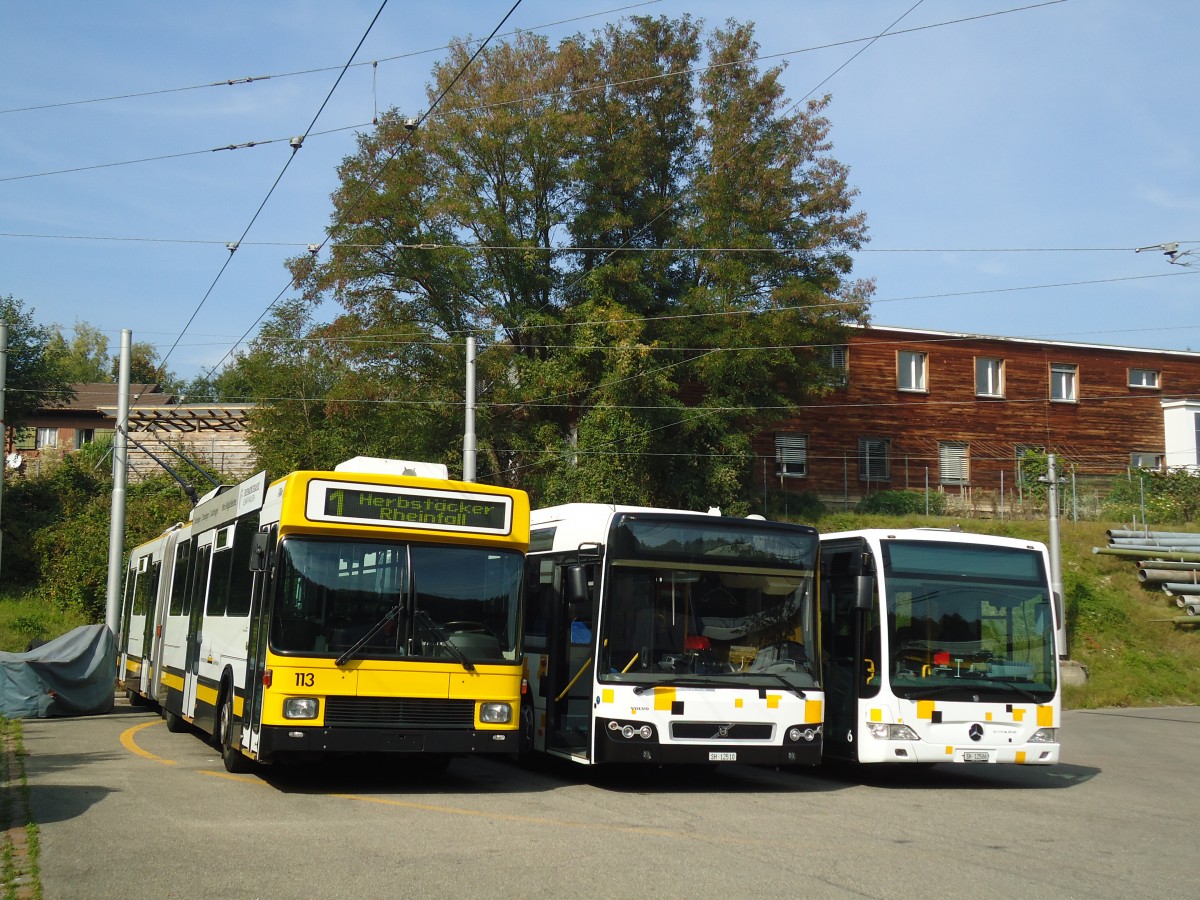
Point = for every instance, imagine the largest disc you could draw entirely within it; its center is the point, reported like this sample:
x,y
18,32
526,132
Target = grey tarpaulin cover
x,y
72,675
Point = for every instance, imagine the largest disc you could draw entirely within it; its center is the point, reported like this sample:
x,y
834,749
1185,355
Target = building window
x,y
84,436
839,365
47,438
874,459
910,370
953,462
1146,459
1063,377
1143,378
791,455
989,377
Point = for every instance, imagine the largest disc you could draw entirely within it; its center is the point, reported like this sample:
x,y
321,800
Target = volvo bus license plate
x,y
714,756
975,756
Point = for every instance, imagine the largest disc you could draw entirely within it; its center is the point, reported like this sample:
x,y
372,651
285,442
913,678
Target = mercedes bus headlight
x,y
301,707
884,732
1044,736
495,713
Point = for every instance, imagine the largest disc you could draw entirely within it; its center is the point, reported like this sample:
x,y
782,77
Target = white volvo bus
x,y
663,636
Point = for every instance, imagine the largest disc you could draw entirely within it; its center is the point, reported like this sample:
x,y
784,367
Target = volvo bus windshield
x,y
689,602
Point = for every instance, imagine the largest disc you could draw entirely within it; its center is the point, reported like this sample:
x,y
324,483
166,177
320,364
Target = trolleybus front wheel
x,y
232,757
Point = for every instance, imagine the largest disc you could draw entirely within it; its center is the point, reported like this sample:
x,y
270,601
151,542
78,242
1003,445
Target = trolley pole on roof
x,y
116,531
469,428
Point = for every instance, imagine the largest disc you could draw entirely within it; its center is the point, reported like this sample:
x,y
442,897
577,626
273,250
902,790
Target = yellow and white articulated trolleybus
x,y
374,608
940,646
663,636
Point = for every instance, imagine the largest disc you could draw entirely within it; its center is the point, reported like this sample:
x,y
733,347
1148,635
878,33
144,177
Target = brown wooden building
x,y
211,433
956,413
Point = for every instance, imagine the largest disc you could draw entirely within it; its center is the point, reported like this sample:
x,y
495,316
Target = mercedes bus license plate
x,y
722,757
975,756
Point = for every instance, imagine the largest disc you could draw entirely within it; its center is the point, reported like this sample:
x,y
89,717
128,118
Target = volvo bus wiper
x,y
685,682
444,639
791,687
390,616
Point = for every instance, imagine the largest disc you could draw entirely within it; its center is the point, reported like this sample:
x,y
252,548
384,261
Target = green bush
x,y
1165,497
902,503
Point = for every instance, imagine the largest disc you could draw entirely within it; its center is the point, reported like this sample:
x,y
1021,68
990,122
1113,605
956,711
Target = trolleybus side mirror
x,y
260,552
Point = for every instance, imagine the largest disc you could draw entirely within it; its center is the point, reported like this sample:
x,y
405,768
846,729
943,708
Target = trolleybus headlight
x,y
301,707
1044,736
885,732
495,713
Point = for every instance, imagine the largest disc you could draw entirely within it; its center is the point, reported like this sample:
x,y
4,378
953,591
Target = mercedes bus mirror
x,y
864,592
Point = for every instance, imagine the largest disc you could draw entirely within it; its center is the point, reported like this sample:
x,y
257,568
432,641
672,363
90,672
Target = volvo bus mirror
x,y
577,586
864,592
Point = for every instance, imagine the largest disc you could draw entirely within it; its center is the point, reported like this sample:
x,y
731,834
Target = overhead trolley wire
x,y
233,82
371,182
296,144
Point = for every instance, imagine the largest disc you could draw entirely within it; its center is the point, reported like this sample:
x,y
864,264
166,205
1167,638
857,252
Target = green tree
x,y
84,358
34,379
709,234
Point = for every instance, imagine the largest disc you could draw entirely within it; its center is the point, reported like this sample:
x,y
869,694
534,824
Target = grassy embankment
x,y
1115,625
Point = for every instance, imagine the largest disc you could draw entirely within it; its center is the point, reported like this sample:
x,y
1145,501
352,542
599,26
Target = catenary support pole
x,y
469,428
3,427
116,531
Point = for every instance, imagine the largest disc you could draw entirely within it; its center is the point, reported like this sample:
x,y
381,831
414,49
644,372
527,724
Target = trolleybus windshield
x,y
707,605
968,619
389,600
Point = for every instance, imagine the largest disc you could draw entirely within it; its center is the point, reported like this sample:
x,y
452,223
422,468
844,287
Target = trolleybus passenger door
x,y
195,636
262,559
572,662
149,630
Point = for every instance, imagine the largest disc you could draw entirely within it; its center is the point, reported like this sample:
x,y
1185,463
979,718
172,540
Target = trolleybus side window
x,y
179,579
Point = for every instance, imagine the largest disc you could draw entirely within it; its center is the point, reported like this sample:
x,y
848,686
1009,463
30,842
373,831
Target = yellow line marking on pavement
x,y
245,779
130,744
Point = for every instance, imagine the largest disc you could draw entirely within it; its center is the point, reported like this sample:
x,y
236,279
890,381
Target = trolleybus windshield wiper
x,y
391,615
444,639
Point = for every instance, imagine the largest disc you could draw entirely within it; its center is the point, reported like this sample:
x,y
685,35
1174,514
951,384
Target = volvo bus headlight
x,y
301,707
1044,736
495,713
798,733
631,730
885,732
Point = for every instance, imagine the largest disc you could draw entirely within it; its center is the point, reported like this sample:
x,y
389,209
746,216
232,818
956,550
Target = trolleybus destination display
x,y
394,507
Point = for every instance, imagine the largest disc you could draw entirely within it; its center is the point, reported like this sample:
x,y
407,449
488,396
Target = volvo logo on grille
x,y
975,732
723,731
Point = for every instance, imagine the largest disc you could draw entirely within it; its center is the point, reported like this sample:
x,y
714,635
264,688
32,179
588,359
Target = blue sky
x,y
1008,164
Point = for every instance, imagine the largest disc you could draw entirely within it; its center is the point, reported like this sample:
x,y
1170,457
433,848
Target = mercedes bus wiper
x,y
444,639
390,616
